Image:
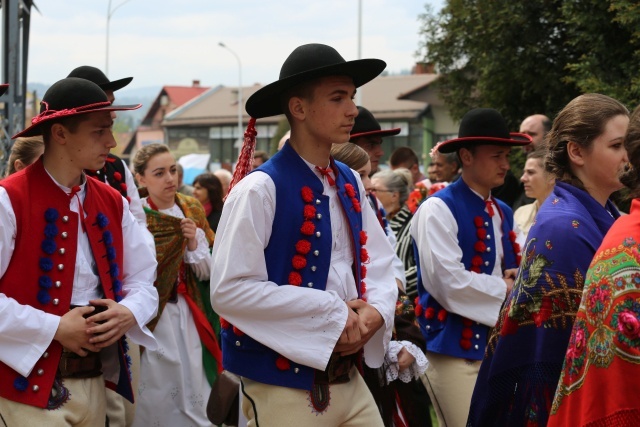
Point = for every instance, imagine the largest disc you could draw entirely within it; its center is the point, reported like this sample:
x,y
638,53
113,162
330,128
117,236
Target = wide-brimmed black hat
x,y
70,97
305,63
367,125
4,88
483,126
93,74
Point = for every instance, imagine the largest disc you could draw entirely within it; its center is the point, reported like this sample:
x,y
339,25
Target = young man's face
x,y
373,146
92,140
330,112
487,166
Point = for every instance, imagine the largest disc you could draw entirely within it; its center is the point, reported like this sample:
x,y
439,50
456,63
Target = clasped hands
x,y
362,322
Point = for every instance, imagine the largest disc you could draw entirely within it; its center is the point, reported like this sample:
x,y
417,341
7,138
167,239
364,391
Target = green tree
x,y
524,57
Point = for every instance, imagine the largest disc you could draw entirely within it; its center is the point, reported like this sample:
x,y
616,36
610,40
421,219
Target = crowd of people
x,y
320,286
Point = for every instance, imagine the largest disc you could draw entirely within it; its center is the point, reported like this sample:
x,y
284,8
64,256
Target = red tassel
x,y
245,158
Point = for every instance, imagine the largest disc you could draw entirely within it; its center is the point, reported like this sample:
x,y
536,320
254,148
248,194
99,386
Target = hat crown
x,y
88,72
72,92
309,57
365,122
483,122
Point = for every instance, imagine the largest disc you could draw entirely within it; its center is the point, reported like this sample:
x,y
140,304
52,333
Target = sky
x,y
169,42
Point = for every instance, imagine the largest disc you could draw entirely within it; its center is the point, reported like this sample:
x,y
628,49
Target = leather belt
x,y
337,371
73,366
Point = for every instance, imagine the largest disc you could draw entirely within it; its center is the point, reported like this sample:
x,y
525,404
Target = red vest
x,y
40,273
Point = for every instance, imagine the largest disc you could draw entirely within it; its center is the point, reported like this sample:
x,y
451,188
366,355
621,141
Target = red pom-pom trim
x,y
282,363
295,278
478,221
476,261
364,255
429,313
117,176
307,228
481,233
442,315
351,192
465,344
518,259
356,205
467,333
237,331
416,301
307,194
309,211
475,269
480,247
418,310
467,322
123,186
512,236
128,199
363,272
224,324
303,247
299,262
363,287
363,237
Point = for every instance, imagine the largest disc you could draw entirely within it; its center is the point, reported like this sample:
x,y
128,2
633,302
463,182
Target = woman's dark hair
x,y
581,121
631,178
212,184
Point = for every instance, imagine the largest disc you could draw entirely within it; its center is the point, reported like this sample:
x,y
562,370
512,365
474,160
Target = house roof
x,y
381,96
178,96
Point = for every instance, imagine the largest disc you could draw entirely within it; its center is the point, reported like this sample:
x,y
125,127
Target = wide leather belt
x,y
74,366
337,371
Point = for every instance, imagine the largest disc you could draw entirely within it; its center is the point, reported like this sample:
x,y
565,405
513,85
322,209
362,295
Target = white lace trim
x,y
418,367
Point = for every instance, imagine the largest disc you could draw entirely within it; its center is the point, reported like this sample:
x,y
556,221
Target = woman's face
x,y
364,177
389,199
604,160
537,183
160,177
200,193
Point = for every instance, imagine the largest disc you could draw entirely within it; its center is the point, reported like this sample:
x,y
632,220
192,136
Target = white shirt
x,y
26,332
300,323
472,295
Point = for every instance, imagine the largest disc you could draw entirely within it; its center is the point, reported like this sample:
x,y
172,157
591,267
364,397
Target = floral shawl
x,y
525,352
599,382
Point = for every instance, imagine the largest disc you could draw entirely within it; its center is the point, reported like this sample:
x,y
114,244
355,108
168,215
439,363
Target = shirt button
x,y
319,216
316,252
318,234
476,347
40,372
56,301
238,344
58,283
428,327
486,224
488,249
318,201
477,336
314,268
64,234
45,355
488,236
310,284
65,219
60,267
61,251
486,263
296,370
35,388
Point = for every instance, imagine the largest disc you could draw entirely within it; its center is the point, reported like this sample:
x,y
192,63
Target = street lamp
x,y
110,13
240,128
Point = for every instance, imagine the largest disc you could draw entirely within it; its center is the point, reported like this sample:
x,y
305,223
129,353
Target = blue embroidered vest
x,y
292,238
449,333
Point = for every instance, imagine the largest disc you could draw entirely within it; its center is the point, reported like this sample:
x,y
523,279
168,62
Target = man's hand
x,y
72,332
371,321
509,276
117,319
351,337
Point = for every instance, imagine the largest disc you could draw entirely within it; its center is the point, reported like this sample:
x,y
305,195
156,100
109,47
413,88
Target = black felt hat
x,y
93,74
367,125
70,97
305,63
483,126
4,88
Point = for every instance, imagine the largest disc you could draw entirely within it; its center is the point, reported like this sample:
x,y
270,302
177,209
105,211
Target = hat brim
x,y
116,84
452,145
36,129
265,102
4,88
382,133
